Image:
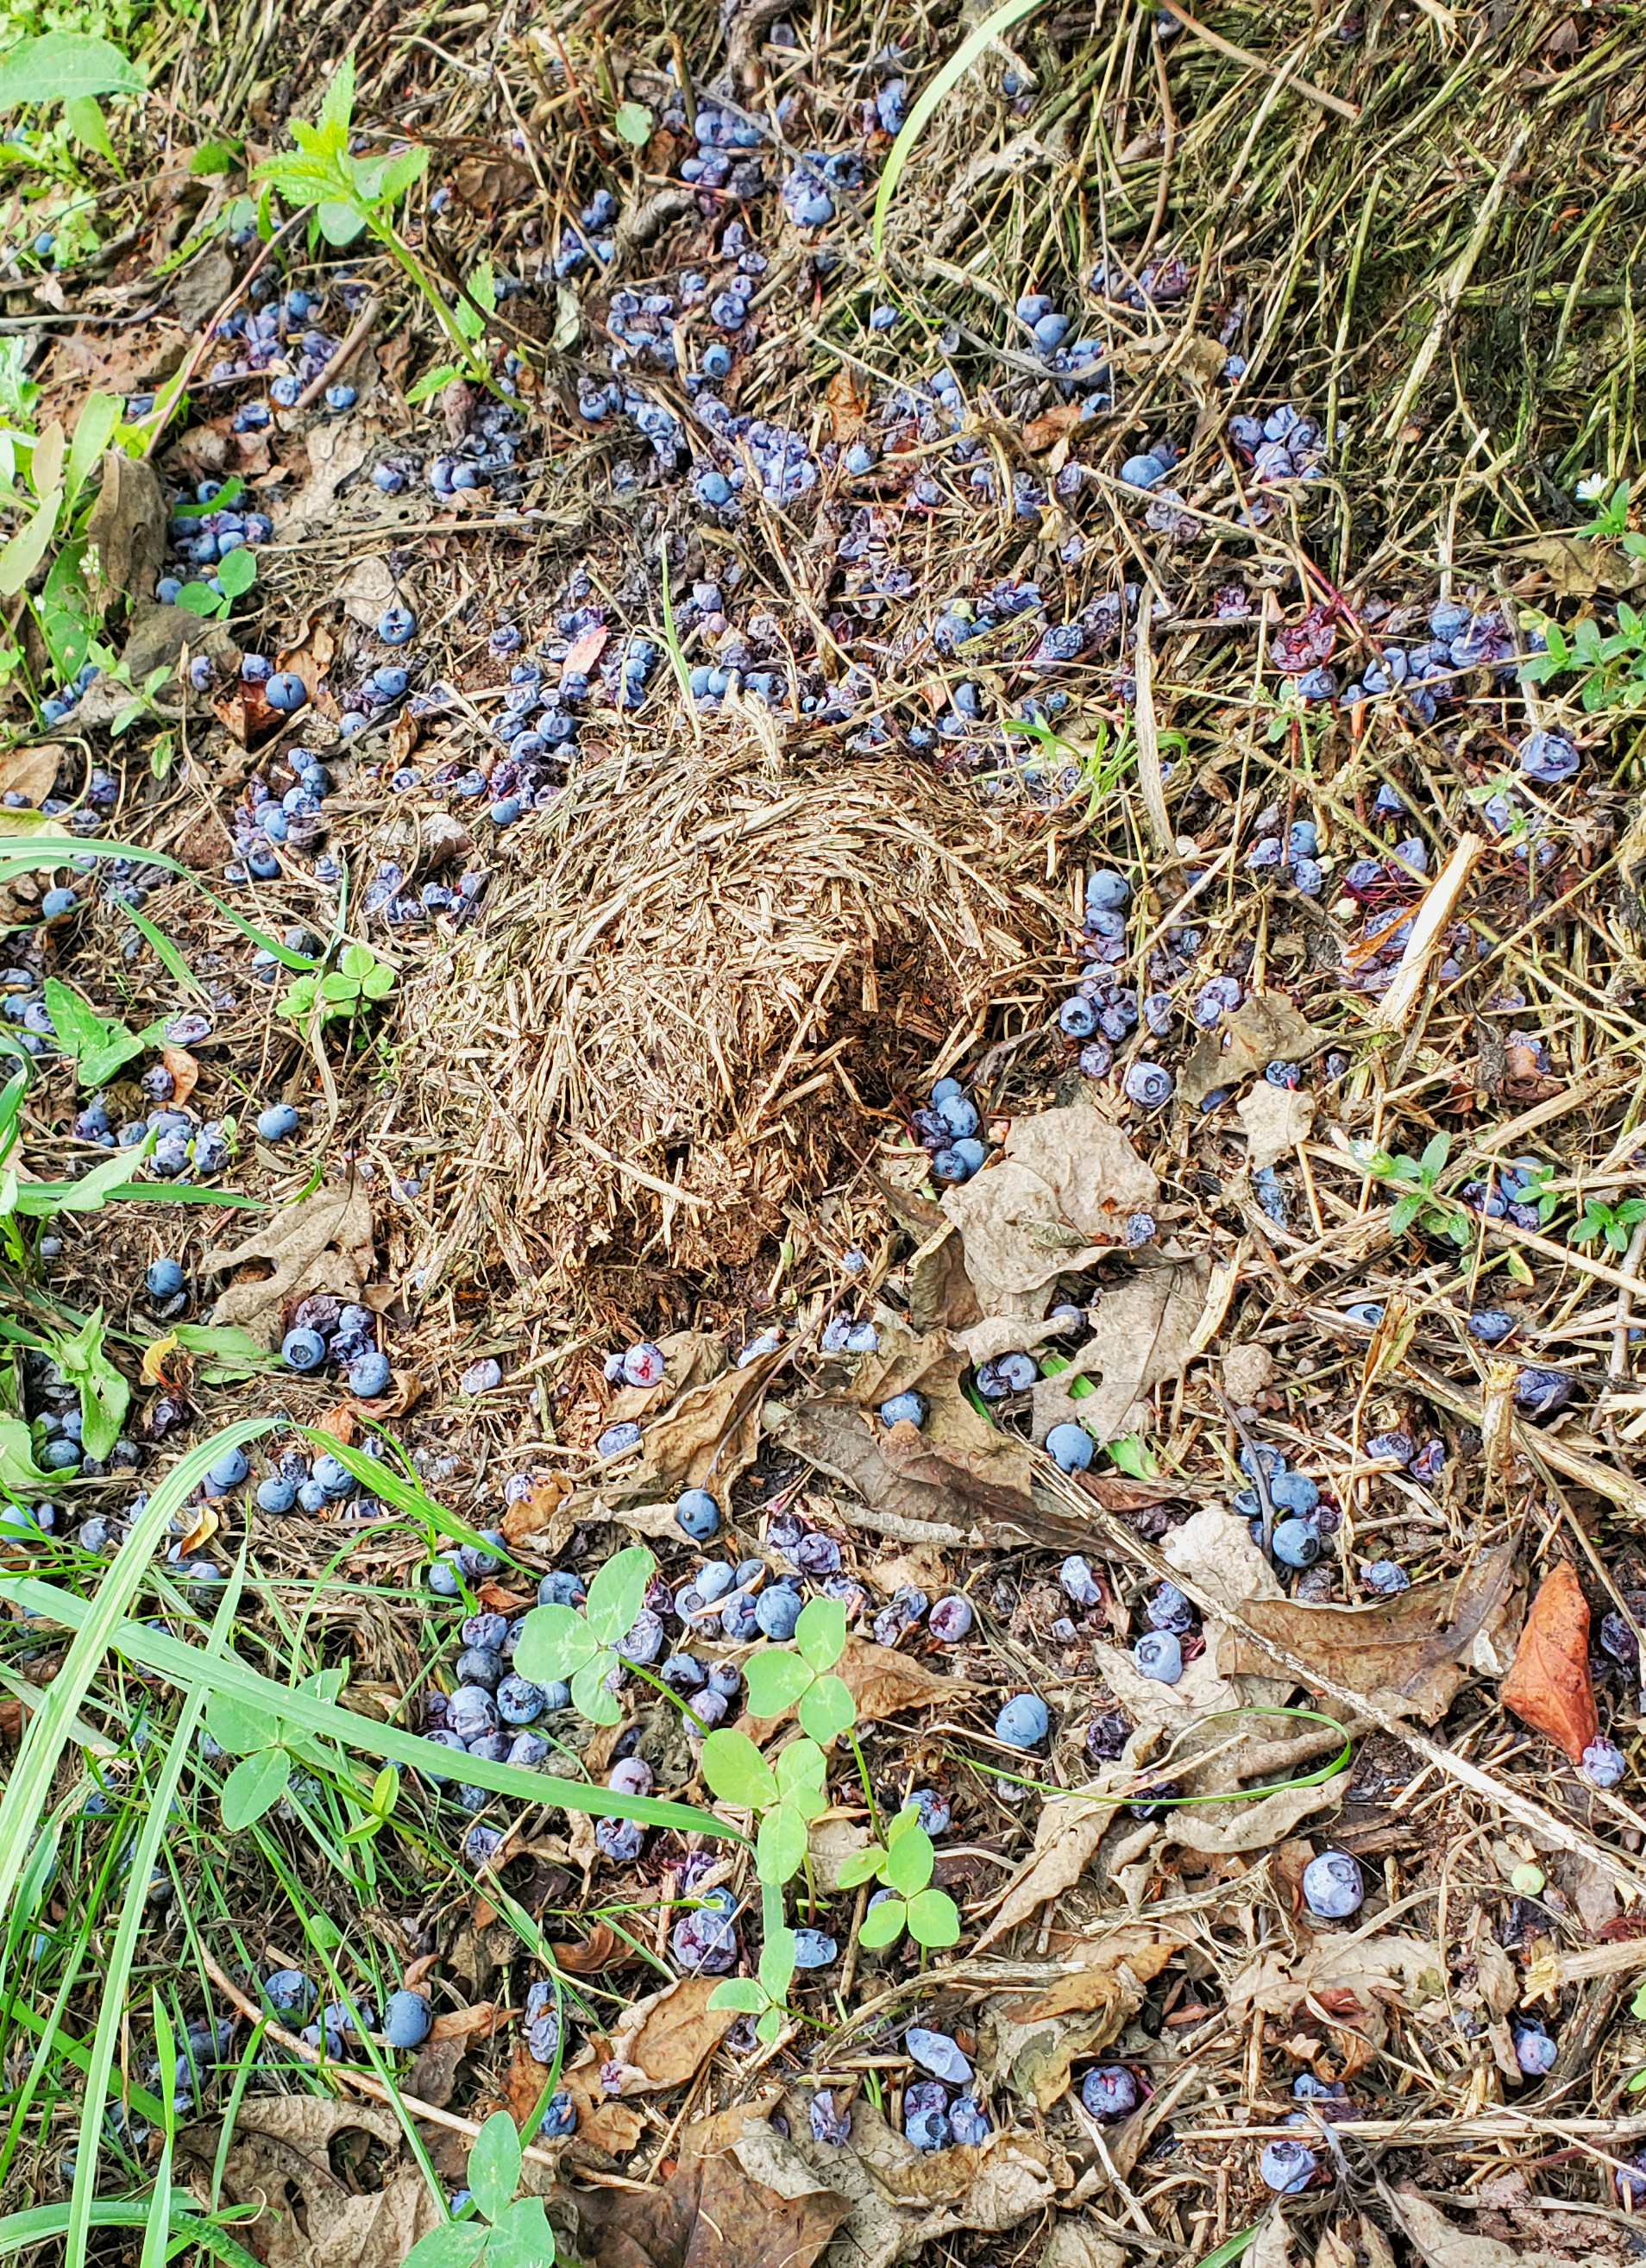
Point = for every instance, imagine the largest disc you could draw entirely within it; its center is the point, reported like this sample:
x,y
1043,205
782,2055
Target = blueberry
x,y
1604,1763
1365,1312
1295,1543
560,1587
1077,1018
289,1992
1109,2092
739,1616
928,2130
827,2123
369,1376
229,1471
643,1365
1022,1721
1148,1084
163,1279
285,691
442,1578
934,1811
908,1408
969,2122
713,1579
957,1112
1287,2166
619,1840
938,2053
1159,1654
630,1776
1294,1492
697,1514
278,1123
1332,1885
1078,1582
1542,1392
1384,1578
396,625
560,2115
1534,2050
406,2019
1071,1446
813,1949
1144,472
777,1610
618,1440
57,902
950,1621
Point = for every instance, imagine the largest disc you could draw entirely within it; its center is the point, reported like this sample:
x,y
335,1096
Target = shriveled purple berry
x,y
1109,2092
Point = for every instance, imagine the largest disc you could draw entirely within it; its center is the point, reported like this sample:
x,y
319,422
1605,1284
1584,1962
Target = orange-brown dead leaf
x,y
589,1958
185,1074
585,651
502,1599
206,1525
339,1424
534,1512
461,2023
1548,1685
155,1357
847,403
1041,432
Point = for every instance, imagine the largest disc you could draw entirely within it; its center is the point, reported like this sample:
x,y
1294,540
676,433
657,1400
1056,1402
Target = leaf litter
x,y
1252,888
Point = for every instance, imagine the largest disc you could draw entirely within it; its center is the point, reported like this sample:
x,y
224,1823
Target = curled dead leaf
x,y
529,1514
1549,1686
185,1074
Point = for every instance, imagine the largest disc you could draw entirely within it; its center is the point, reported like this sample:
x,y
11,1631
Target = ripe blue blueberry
x,y
928,2130
560,1587
57,902
904,1409
1077,1018
334,1476
1287,2166
289,1992
1071,1446
643,1365
715,1579
777,1610
938,2053
397,625
559,2116
1491,1325
406,2019
618,1440
1295,1543
1384,1577
934,1811
275,1124
285,691
1022,1721
1078,1582
276,1494
969,2122
481,1665
1144,472
630,1776
958,1113
1109,2092
442,1578
519,1702
697,1514
813,1949
739,1616
1150,1086
163,1279
369,1376
1332,1885
619,1840
1294,1492
230,1469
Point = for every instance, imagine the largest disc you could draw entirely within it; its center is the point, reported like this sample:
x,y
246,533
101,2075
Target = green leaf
x,y
27,548
775,1680
356,960
801,1769
633,122
36,1199
618,1593
909,1858
1404,1214
239,571
1436,1152
739,1992
18,1472
83,115
104,1393
255,1786
736,1771
385,1792
555,1643
522,2237
337,115
215,157
455,2244
590,1696
820,1632
829,1709
378,983
339,222
401,170
494,2164
860,1867
780,1847
934,1919
336,986
62,66
239,1726
884,1923
195,598
431,381
100,414
79,1027
777,1963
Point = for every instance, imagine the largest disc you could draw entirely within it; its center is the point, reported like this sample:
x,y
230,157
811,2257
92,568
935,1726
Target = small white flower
x,y
1592,488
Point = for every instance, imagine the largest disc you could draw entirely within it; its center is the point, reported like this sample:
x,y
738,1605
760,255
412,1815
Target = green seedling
x,y
1416,1184
360,981
507,2232
579,1646
903,1863
1613,1223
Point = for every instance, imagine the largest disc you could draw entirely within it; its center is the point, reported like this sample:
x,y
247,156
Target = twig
x,y
652,1182
1303,86
340,360
1396,1003
1148,737
1618,1368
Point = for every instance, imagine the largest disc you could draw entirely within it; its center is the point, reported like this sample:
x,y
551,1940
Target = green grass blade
x,y
187,1666
61,850
975,44
45,1199
24,1802
113,2012
41,2222
167,952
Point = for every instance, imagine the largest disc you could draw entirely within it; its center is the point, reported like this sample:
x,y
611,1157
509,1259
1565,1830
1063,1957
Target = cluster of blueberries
x,y
948,1129
201,532
281,327
1431,669
326,1330
407,2016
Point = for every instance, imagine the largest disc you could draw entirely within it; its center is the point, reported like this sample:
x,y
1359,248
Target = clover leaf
x,y
580,1648
903,1863
779,1681
786,1799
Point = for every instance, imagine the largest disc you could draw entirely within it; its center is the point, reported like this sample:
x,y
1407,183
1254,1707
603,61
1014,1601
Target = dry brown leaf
x,y
126,534
1264,1030
202,287
308,2218
692,1359
1042,432
1067,1833
585,651
1075,2244
1440,2243
462,2023
830,1842
340,1423
185,1074
155,1356
335,452
1549,1686
205,1526
483,184
433,2077
597,1951
529,1514
882,1682
847,403
707,1440
1271,2246
1399,1652
323,1243
366,588
1142,1333
603,2123
1057,1198
940,1293
30,772
1349,1987
710,2213
1030,2040
1276,1119
666,2035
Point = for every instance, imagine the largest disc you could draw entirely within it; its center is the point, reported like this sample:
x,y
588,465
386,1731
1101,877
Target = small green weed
x,y
360,981
1416,1184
